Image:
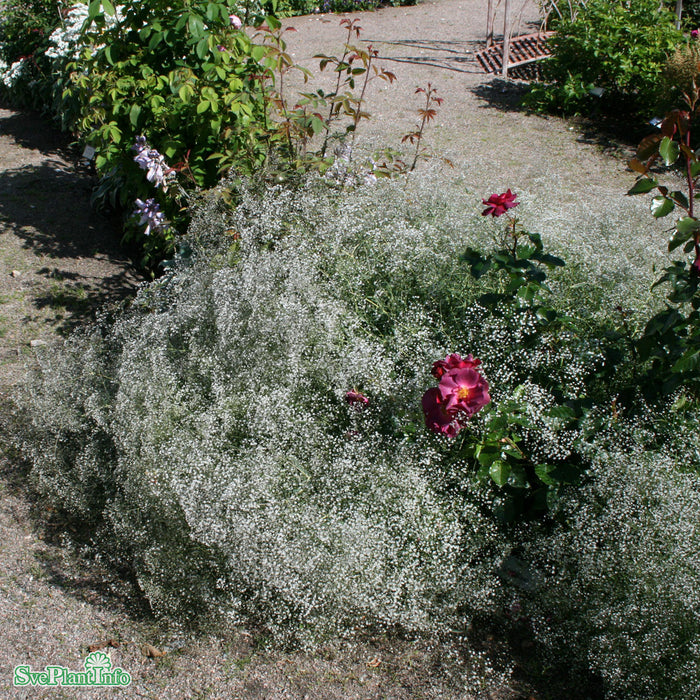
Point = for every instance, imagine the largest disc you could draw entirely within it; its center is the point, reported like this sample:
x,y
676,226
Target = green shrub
x,y
178,73
25,26
620,47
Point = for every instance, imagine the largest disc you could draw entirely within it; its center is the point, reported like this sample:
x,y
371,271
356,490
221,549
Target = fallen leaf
x,y
374,663
101,645
151,652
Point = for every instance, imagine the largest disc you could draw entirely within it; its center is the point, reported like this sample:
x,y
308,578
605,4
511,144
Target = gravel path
x,y
58,261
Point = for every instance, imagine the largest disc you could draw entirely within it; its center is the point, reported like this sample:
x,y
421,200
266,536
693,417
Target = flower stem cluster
x,y
461,393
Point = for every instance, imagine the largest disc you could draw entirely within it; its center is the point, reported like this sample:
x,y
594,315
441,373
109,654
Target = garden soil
x,y
60,262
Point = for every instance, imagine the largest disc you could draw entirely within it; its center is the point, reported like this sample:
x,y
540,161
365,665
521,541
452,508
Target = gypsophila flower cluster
x,y
248,436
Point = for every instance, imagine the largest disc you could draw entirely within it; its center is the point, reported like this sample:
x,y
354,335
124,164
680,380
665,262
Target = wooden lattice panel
x,y
523,49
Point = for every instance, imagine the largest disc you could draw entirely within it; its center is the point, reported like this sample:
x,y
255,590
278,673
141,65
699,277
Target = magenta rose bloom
x,y
464,390
694,34
498,204
437,418
356,397
453,361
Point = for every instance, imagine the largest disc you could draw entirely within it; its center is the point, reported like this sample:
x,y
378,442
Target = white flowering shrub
x,y
209,440
206,438
619,586
65,41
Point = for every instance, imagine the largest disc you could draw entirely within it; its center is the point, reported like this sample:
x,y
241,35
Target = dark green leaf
x,y
688,224
679,198
688,362
202,48
661,206
273,22
134,114
669,150
543,472
643,185
499,472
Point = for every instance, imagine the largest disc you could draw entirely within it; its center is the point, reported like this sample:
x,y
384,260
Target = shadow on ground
x,y
31,131
501,94
78,266
457,56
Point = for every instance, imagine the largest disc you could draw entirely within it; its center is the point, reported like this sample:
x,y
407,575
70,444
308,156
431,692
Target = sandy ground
x,y
59,261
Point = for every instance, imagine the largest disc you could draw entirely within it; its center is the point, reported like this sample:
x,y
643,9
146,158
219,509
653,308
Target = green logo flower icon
x,y
98,660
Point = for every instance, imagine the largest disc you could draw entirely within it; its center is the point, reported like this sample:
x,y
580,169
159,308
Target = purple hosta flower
x,y
151,215
235,21
140,144
154,163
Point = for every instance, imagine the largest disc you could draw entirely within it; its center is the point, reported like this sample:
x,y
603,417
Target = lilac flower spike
x,y
153,162
151,215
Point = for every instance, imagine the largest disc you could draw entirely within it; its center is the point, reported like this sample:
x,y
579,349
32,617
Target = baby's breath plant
x,y
250,436
618,587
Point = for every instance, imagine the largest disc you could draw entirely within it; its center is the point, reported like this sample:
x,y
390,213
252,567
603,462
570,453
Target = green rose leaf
x,y
499,472
661,206
645,184
669,150
679,198
679,237
688,224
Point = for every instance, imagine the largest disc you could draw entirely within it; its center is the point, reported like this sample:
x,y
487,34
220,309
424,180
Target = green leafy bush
x,y
25,26
619,47
180,74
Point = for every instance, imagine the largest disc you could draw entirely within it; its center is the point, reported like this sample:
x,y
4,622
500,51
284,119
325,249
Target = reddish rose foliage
x,y
498,204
